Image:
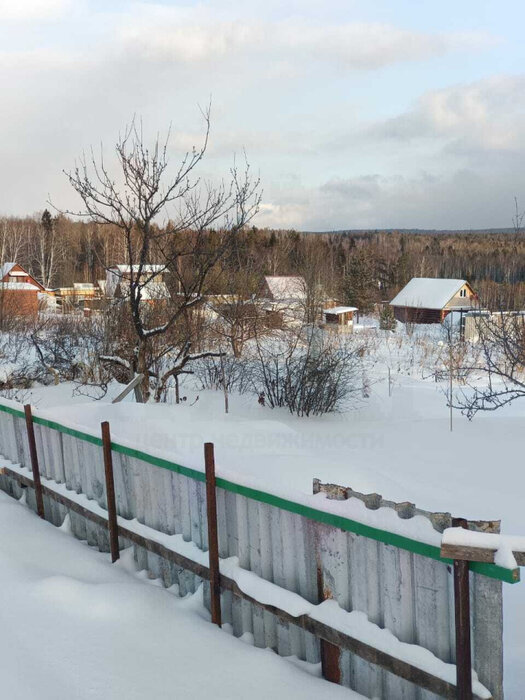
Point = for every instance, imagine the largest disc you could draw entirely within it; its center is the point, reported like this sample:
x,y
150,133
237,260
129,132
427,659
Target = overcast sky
x,y
357,114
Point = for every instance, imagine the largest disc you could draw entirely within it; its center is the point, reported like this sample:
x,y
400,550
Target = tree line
x,y
360,269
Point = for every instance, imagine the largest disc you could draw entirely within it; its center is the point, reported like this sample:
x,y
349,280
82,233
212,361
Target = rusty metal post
x,y
462,616
330,653
110,492
213,539
34,461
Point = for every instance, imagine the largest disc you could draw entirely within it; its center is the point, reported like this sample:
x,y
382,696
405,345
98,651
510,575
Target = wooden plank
x,y
482,554
34,460
133,383
401,668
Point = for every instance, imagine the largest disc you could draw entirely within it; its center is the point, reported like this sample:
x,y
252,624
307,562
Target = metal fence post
x,y
110,492
34,461
213,540
462,617
330,653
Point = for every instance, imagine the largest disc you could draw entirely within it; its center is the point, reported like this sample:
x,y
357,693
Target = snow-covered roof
x,y
19,285
124,269
286,287
427,293
5,269
340,310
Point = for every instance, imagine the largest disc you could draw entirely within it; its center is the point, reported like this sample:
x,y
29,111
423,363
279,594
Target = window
x,y
462,292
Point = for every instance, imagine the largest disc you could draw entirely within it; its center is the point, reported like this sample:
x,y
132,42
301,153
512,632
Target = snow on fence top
x,y
507,551
399,525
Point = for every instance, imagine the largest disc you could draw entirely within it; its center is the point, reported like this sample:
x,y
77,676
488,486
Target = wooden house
x,y
19,291
430,300
79,297
284,299
118,280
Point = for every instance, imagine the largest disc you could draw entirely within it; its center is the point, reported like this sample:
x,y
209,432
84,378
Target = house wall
x,y
406,314
18,302
458,300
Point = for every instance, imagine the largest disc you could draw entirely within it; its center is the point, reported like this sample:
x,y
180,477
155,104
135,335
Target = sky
x,y
355,114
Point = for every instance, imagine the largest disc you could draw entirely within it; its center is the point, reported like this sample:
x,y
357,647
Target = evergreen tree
x,y
387,321
360,285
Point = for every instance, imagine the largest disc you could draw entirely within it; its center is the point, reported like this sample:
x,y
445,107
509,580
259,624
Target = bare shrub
x,y
309,373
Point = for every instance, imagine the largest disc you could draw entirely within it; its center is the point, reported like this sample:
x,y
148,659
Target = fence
x,y
378,560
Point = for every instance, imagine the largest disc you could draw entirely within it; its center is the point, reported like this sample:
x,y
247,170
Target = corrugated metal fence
x,y
399,583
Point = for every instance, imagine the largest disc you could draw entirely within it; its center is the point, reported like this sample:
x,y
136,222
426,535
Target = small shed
x,y
430,300
340,318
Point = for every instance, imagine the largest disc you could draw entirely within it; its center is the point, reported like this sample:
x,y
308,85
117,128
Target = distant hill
x,y
422,231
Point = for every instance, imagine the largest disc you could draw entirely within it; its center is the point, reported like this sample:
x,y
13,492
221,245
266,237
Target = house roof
x,y
5,269
427,293
282,288
123,269
340,310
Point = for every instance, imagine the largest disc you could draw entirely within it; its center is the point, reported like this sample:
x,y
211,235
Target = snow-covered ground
x,y
75,626
398,445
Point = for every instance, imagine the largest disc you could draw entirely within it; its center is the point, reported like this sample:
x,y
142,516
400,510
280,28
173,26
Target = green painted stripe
x,y
12,411
159,462
68,431
338,521
348,525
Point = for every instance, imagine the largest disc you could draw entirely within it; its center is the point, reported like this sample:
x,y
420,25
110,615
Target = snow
x,y
286,288
503,545
428,293
19,286
76,626
6,268
355,624
340,309
398,445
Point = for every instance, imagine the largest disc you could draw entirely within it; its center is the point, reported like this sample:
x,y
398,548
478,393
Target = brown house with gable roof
x,y
19,291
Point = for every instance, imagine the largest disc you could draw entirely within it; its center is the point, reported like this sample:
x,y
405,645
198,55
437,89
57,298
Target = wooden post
x,y
330,653
34,461
462,616
110,492
213,539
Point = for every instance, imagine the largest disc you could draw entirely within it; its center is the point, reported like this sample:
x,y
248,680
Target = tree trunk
x,y
143,395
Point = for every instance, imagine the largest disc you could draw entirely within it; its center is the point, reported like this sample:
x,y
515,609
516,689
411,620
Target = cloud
x,y
487,115
32,10
463,199
174,34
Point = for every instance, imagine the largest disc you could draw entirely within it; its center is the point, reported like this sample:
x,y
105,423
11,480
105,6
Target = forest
x,y
358,268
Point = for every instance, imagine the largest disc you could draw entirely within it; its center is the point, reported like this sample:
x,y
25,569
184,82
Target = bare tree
x,y
502,350
167,219
13,236
46,249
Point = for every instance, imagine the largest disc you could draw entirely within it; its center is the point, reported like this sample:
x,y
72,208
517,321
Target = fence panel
x,y
280,541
